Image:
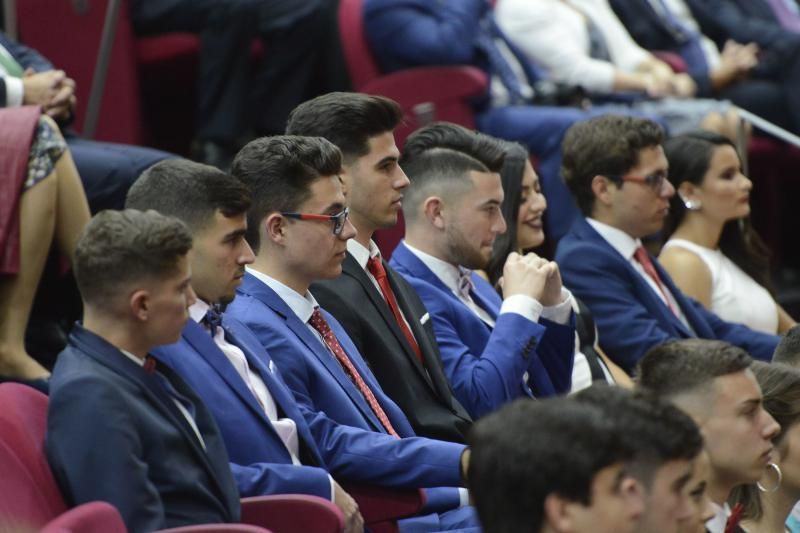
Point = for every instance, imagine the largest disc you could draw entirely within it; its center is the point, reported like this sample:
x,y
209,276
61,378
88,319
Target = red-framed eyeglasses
x,y
338,219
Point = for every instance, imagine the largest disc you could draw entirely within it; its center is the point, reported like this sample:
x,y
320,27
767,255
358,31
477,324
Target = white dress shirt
x,y
285,427
626,246
720,519
185,412
14,89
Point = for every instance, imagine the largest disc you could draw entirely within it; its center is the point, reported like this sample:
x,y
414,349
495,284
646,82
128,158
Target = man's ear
x,y
602,189
434,208
557,516
274,227
139,303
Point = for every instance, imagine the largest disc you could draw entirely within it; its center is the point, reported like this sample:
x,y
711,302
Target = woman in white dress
x,y
713,254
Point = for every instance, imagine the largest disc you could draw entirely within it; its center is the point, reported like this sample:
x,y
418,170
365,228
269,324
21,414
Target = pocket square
x,y
424,318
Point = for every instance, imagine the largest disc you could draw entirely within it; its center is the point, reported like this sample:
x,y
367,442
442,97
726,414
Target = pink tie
x,y
643,258
319,323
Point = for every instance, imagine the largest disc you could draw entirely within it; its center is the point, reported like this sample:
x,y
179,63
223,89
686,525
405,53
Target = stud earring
x,y
691,205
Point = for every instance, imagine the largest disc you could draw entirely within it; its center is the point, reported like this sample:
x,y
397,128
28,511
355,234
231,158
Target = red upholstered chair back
x,y
28,492
360,63
68,32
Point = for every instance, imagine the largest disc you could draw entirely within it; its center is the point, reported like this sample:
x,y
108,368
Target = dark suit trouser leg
x,y
302,59
108,170
765,98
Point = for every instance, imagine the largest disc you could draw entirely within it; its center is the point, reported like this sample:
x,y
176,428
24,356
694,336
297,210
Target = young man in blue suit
x,y
616,169
272,450
299,228
493,349
381,312
121,426
273,445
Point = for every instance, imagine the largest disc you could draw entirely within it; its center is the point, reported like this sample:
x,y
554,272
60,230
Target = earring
x,y
691,205
778,476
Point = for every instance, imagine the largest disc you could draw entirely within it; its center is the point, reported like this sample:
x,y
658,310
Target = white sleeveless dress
x,y
735,296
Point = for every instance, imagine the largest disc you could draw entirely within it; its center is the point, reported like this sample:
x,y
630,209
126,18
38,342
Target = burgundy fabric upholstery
x,y
293,512
93,517
382,507
17,127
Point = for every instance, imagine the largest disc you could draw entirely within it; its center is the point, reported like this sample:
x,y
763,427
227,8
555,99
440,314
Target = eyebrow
x,y
751,402
235,234
336,207
681,482
388,159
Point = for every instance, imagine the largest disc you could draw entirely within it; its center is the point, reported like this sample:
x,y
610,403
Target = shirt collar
x,y
133,358
198,310
449,274
361,254
301,305
618,239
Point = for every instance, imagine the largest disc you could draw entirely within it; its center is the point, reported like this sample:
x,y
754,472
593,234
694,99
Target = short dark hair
x,y
190,191
348,120
604,145
486,149
529,449
658,431
279,171
780,387
788,350
121,247
435,170
682,366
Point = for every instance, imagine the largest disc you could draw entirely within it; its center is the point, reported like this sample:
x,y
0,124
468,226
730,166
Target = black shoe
x,y
214,154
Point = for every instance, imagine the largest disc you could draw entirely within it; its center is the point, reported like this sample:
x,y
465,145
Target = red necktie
x,y
643,258
375,266
733,520
319,323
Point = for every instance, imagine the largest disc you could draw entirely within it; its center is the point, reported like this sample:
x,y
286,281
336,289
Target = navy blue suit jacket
x,y
485,366
260,462
629,315
113,434
330,402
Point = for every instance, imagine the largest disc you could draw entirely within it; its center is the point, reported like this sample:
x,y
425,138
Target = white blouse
x,y
735,296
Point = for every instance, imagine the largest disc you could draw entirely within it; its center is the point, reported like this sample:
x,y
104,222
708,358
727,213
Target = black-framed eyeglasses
x,y
338,219
655,181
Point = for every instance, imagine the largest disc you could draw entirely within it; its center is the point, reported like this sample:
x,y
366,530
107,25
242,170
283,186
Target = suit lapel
x,y
353,269
268,297
110,356
650,299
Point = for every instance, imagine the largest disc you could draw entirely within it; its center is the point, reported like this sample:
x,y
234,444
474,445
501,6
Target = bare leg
x,y
37,224
72,210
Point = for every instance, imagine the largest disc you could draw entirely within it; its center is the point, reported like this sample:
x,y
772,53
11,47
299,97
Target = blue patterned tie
x,y
213,319
689,41
485,41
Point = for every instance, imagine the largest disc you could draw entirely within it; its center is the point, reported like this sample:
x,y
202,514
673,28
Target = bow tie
x,y
213,319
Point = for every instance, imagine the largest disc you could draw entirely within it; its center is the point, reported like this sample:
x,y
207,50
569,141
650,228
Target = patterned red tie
x,y
643,258
319,323
732,524
375,266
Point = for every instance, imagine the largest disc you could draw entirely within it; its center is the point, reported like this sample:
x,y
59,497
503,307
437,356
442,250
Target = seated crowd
x,y
243,334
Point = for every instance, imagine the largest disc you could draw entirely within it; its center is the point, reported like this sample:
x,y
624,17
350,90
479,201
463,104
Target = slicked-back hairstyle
x,y
348,120
780,387
279,171
604,145
440,171
788,349
189,191
658,430
528,450
485,148
684,366
117,248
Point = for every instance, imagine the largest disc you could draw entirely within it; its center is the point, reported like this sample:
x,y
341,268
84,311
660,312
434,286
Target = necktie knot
x,y
375,267
213,319
464,283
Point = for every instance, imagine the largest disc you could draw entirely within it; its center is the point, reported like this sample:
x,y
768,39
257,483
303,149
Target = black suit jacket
x,y
114,434
423,394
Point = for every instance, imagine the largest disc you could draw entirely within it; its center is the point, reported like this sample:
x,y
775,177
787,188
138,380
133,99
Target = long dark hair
x,y
689,158
511,177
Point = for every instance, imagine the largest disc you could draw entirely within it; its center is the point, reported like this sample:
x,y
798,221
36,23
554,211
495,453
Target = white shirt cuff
x,y
14,91
333,490
522,305
463,497
560,313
